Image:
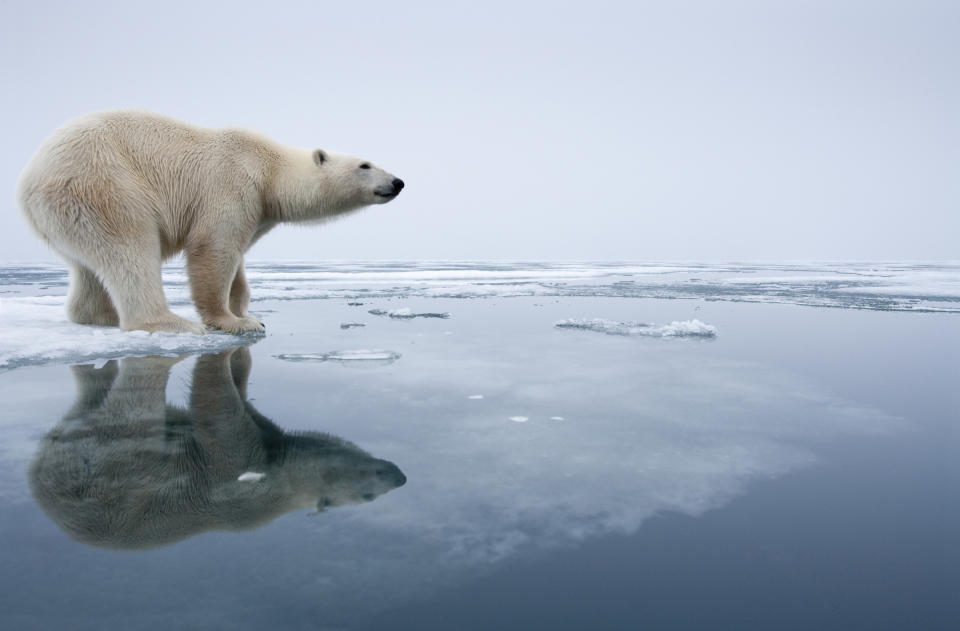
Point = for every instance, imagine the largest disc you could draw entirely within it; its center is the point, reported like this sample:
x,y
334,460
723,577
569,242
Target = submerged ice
x,y
686,328
406,313
358,355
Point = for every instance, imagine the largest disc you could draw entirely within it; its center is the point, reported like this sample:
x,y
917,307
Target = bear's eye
x,y
364,166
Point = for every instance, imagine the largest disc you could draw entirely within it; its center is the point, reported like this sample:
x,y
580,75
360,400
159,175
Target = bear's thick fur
x,y
116,193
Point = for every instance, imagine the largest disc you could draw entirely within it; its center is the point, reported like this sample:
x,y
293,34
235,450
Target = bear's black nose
x,y
397,185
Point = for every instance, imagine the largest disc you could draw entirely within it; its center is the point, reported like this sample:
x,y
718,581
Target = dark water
x,y
798,471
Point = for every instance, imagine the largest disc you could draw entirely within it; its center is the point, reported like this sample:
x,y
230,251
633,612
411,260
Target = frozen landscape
x,y
33,329
789,426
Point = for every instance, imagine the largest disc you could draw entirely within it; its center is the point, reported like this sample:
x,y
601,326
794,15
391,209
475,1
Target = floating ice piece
x,y
475,396
406,313
519,419
251,476
351,325
556,418
686,328
357,355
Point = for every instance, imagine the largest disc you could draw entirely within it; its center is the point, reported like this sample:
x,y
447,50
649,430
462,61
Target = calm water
x,y
489,470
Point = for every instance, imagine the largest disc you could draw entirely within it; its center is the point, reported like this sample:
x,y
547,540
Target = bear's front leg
x,y
239,292
212,269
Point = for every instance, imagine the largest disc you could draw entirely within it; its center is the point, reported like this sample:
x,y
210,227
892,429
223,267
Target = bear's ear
x,y
319,156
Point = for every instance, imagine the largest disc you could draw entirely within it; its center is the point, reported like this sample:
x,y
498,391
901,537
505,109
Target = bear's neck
x,y
295,193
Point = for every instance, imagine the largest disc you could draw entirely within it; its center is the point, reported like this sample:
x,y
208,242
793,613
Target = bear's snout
x,y
389,191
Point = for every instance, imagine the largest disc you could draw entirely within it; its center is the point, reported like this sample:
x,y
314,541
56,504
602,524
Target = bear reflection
x,y
125,470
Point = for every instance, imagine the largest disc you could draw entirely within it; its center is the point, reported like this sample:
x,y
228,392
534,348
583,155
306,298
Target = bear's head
x,y
346,182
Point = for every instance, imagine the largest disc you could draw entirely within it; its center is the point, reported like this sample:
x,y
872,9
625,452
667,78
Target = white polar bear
x,y
115,193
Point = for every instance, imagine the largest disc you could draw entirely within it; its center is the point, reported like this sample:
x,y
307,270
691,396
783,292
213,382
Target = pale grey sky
x,y
542,130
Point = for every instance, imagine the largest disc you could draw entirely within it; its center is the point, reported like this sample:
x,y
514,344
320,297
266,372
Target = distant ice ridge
x,y
923,287
358,355
919,287
35,330
686,328
406,313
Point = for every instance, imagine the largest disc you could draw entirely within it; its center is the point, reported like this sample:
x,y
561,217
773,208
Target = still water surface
x,y
490,470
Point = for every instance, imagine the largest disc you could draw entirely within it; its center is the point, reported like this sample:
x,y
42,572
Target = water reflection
x,y
124,469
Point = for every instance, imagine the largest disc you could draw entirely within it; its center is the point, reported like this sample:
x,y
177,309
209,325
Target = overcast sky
x,y
672,131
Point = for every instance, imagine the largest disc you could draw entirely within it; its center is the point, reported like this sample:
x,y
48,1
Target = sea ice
x,y
686,328
406,313
251,476
35,330
475,396
519,419
351,325
357,355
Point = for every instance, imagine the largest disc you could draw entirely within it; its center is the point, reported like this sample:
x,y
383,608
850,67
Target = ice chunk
x,y
351,325
686,328
35,330
406,313
475,396
251,476
519,419
556,418
358,355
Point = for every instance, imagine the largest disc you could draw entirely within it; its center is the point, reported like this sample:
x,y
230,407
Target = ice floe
x,y
406,313
519,419
251,476
358,355
35,330
685,328
351,325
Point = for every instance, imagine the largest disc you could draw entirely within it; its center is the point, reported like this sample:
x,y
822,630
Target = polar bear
x,y
115,193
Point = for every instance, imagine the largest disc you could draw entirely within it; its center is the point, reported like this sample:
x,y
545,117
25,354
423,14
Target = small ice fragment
x,y
406,313
687,328
350,325
475,396
354,304
251,476
556,418
358,355
519,419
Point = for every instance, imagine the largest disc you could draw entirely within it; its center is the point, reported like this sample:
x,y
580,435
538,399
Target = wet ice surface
x,y
796,470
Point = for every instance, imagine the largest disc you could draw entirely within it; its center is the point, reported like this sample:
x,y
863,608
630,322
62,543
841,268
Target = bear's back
x,y
120,139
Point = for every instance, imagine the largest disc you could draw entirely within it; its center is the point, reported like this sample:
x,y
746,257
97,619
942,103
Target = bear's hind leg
x,y
89,302
132,278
